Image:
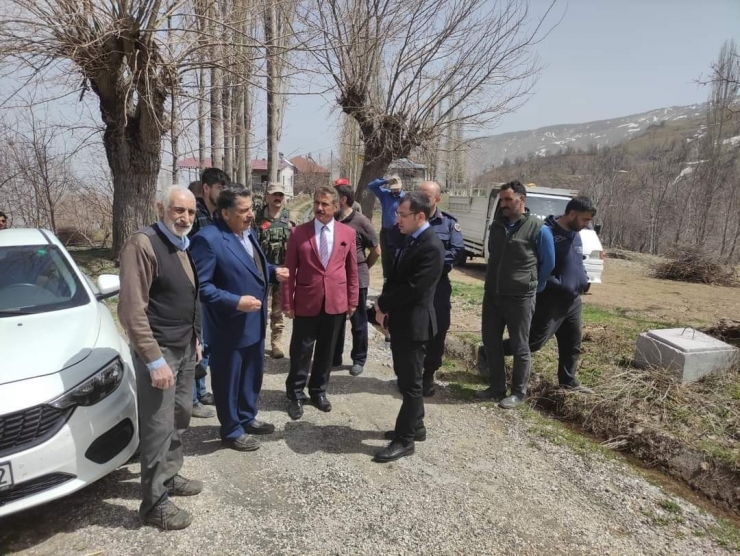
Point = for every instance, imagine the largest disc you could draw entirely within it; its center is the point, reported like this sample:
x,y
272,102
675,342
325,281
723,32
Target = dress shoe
x,y
180,486
419,436
356,369
511,402
258,427
167,516
490,394
202,412
245,443
322,403
395,450
295,409
427,388
207,399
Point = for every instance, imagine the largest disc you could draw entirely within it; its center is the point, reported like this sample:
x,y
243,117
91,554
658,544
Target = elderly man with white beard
x,y
160,310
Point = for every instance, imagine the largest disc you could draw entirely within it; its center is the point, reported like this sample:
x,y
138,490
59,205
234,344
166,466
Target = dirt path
x,y
483,483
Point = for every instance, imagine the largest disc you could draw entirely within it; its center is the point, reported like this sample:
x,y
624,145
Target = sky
x,y
607,58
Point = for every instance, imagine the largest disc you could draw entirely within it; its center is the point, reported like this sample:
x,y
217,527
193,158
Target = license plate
x,y
6,476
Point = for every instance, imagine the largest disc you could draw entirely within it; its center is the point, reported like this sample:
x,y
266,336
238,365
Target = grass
x,y
727,534
468,294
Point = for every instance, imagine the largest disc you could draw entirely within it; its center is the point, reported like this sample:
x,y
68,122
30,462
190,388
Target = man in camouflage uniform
x,y
273,228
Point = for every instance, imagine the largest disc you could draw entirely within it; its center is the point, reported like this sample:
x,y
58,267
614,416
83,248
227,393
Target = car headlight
x,y
94,389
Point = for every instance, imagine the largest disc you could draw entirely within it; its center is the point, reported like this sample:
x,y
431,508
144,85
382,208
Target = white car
x,y
67,388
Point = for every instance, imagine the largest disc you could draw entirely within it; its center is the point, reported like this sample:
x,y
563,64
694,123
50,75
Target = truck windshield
x,y
542,207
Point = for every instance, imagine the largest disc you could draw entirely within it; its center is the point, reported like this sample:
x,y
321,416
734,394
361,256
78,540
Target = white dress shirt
x,y
244,240
329,236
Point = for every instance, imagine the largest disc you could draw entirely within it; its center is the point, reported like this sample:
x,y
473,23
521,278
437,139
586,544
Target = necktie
x,y
324,247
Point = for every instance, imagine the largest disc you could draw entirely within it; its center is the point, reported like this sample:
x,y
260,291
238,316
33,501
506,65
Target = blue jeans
x,y
199,387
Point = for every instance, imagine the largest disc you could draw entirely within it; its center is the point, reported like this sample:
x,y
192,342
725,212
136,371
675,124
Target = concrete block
x,y
688,352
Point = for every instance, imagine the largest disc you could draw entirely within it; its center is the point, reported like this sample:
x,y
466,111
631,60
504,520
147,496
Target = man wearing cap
x,y
390,238
356,207
273,228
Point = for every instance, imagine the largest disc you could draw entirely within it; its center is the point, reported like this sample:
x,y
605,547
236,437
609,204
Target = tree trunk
x,y
174,134
248,104
273,161
217,125
202,117
134,169
228,150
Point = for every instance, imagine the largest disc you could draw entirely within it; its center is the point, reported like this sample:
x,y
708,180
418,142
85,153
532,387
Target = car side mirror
x,y
108,286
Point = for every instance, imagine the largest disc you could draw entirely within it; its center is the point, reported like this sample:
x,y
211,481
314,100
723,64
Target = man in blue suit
x,y
234,278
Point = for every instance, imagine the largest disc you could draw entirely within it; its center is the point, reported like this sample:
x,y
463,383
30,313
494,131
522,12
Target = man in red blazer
x,y
321,290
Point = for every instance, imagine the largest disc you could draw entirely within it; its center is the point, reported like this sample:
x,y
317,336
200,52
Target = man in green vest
x,y
521,255
273,228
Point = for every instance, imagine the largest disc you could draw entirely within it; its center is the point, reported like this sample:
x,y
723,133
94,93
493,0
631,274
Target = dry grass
x,y
693,265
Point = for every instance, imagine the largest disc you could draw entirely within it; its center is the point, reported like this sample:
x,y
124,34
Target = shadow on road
x,y
90,507
306,438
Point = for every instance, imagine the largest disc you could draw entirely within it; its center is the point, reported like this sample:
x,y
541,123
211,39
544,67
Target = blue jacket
x,y
569,275
448,231
227,272
388,202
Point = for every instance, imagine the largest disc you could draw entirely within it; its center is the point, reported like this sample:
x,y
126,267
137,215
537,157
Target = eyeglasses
x,y
405,214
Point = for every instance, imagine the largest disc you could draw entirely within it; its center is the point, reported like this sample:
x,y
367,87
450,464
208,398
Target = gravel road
x,y
481,484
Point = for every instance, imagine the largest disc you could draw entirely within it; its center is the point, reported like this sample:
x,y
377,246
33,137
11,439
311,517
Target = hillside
x,y
683,121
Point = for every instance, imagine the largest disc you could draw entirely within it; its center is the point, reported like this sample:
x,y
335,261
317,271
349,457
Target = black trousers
x,y
408,364
359,334
436,346
320,331
514,314
559,316
388,246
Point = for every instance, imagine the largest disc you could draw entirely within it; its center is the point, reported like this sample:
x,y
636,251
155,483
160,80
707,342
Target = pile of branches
x,y
693,265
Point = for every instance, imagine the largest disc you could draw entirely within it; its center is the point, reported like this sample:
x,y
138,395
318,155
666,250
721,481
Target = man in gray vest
x,y
160,310
521,255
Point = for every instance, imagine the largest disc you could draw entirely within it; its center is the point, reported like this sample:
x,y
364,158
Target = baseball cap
x,y
275,188
341,181
394,183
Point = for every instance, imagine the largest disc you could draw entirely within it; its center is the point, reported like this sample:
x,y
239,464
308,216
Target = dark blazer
x,y
408,293
226,272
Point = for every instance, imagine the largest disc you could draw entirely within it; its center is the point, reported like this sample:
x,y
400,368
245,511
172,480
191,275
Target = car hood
x,y
46,343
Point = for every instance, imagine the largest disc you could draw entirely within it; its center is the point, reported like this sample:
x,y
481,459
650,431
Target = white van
x,y
474,210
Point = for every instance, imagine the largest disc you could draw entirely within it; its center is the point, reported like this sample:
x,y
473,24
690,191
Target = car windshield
x,y
542,207
37,279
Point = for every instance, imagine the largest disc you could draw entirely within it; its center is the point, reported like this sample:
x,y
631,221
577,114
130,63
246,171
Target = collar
x,y
421,230
437,214
181,243
201,204
318,225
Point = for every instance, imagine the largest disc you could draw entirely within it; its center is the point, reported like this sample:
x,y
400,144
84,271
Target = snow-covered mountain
x,y
486,152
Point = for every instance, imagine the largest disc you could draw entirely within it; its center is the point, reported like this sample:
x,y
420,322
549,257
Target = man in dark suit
x,y
321,290
408,301
234,278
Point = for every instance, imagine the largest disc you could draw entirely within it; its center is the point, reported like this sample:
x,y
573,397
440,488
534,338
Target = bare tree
x,y
116,49
41,178
421,50
278,20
